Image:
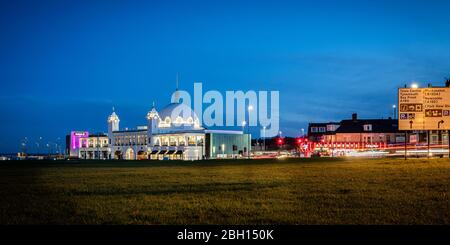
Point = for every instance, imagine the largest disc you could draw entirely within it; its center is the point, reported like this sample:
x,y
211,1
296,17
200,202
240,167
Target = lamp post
x,y
264,137
394,107
250,109
243,128
440,134
428,141
39,145
58,145
24,145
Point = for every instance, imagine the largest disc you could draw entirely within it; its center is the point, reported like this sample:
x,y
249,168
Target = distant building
x,y
81,144
355,134
319,131
368,131
174,132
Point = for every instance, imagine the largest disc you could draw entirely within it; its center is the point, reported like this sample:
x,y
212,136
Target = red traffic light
x,y
280,141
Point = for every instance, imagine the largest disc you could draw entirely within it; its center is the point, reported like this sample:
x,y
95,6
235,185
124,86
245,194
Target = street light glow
x,y
250,107
414,85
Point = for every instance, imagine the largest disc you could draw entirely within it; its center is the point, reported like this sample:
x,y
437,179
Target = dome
x,y
178,114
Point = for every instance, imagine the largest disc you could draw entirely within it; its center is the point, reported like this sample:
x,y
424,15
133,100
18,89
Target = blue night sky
x,y
64,64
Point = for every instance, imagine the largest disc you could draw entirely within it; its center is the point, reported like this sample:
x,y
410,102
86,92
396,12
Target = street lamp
x,y
243,127
250,108
303,132
394,111
39,145
264,137
414,85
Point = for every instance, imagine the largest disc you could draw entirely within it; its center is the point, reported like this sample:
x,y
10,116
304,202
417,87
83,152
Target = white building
x,y
172,133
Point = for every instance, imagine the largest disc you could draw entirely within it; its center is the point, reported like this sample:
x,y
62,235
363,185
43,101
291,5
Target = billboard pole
x,y
428,141
406,134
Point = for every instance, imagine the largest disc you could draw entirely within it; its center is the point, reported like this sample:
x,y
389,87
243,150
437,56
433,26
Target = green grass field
x,y
289,191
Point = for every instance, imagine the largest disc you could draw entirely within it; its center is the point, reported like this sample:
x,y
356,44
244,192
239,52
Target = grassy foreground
x,y
290,191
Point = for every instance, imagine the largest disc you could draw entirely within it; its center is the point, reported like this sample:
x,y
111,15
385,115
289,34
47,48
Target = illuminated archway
x,y
129,154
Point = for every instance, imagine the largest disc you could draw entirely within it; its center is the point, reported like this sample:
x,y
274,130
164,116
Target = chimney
x,y
354,116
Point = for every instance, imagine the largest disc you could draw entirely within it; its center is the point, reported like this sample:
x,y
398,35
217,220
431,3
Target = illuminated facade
x,y
173,133
95,147
81,144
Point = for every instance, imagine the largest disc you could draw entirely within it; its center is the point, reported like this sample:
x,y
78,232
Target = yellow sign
x,y
424,108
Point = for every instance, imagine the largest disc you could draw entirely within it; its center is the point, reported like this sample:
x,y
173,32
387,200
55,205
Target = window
x,y
314,129
331,127
367,127
191,140
322,129
434,139
199,140
172,141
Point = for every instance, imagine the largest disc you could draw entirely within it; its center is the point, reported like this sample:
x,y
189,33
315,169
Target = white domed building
x,y
174,132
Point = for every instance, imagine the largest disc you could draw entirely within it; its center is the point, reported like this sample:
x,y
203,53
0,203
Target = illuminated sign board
x,y
424,108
